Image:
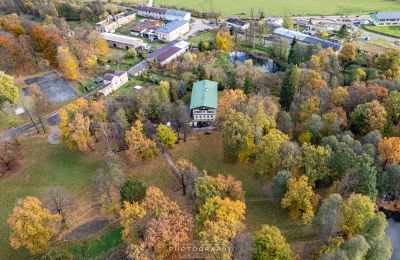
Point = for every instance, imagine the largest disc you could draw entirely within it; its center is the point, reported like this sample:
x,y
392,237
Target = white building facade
x,y
113,81
113,22
172,30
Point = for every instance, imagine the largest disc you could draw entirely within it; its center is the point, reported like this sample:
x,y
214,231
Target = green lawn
x,y
393,31
285,7
95,248
204,36
43,165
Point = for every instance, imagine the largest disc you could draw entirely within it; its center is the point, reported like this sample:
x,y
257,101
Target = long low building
x,y
386,18
307,38
122,41
112,22
169,52
163,13
172,30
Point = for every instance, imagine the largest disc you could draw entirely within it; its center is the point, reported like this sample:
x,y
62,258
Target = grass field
x,y
204,36
393,31
285,7
43,165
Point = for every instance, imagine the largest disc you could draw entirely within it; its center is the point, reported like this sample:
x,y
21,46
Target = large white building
x,y
112,22
163,13
113,81
386,18
122,41
172,30
204,101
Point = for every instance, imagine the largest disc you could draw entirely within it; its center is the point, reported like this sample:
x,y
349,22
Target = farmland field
x,y
285,7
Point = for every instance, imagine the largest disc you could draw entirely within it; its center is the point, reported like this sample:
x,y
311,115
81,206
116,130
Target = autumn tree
x,y
348,52
339,96
267,151
187,174
60,201
107,185
230,99
167,135
157,203
32,225
235,132
75,126
208,187
218,222
139,146
169,231
269,243
389,150
130,214
8,156
8,91
300,199
67,64
355,213
368,117
223,40
316,162
392,106
287,22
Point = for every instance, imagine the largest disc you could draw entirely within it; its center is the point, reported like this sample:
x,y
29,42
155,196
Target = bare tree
x,y
187,174
7,155
242,246
59,200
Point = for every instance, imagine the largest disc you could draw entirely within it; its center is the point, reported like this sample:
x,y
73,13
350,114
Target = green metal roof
x,y
204,94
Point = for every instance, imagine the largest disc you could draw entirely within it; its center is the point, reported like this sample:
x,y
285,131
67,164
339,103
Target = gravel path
x,y
87,229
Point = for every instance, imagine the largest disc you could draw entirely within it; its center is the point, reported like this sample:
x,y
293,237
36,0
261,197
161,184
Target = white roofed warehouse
x,y
386,18
336,46
122,41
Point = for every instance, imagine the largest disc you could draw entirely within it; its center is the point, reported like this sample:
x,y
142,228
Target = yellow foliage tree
x,y
130,213
32,226
102,47
230,99
348,52
80,132
389,149
300,199
219,221
267,154
156,202
167,135
8,91
67,63
139,146
355,213
223,40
